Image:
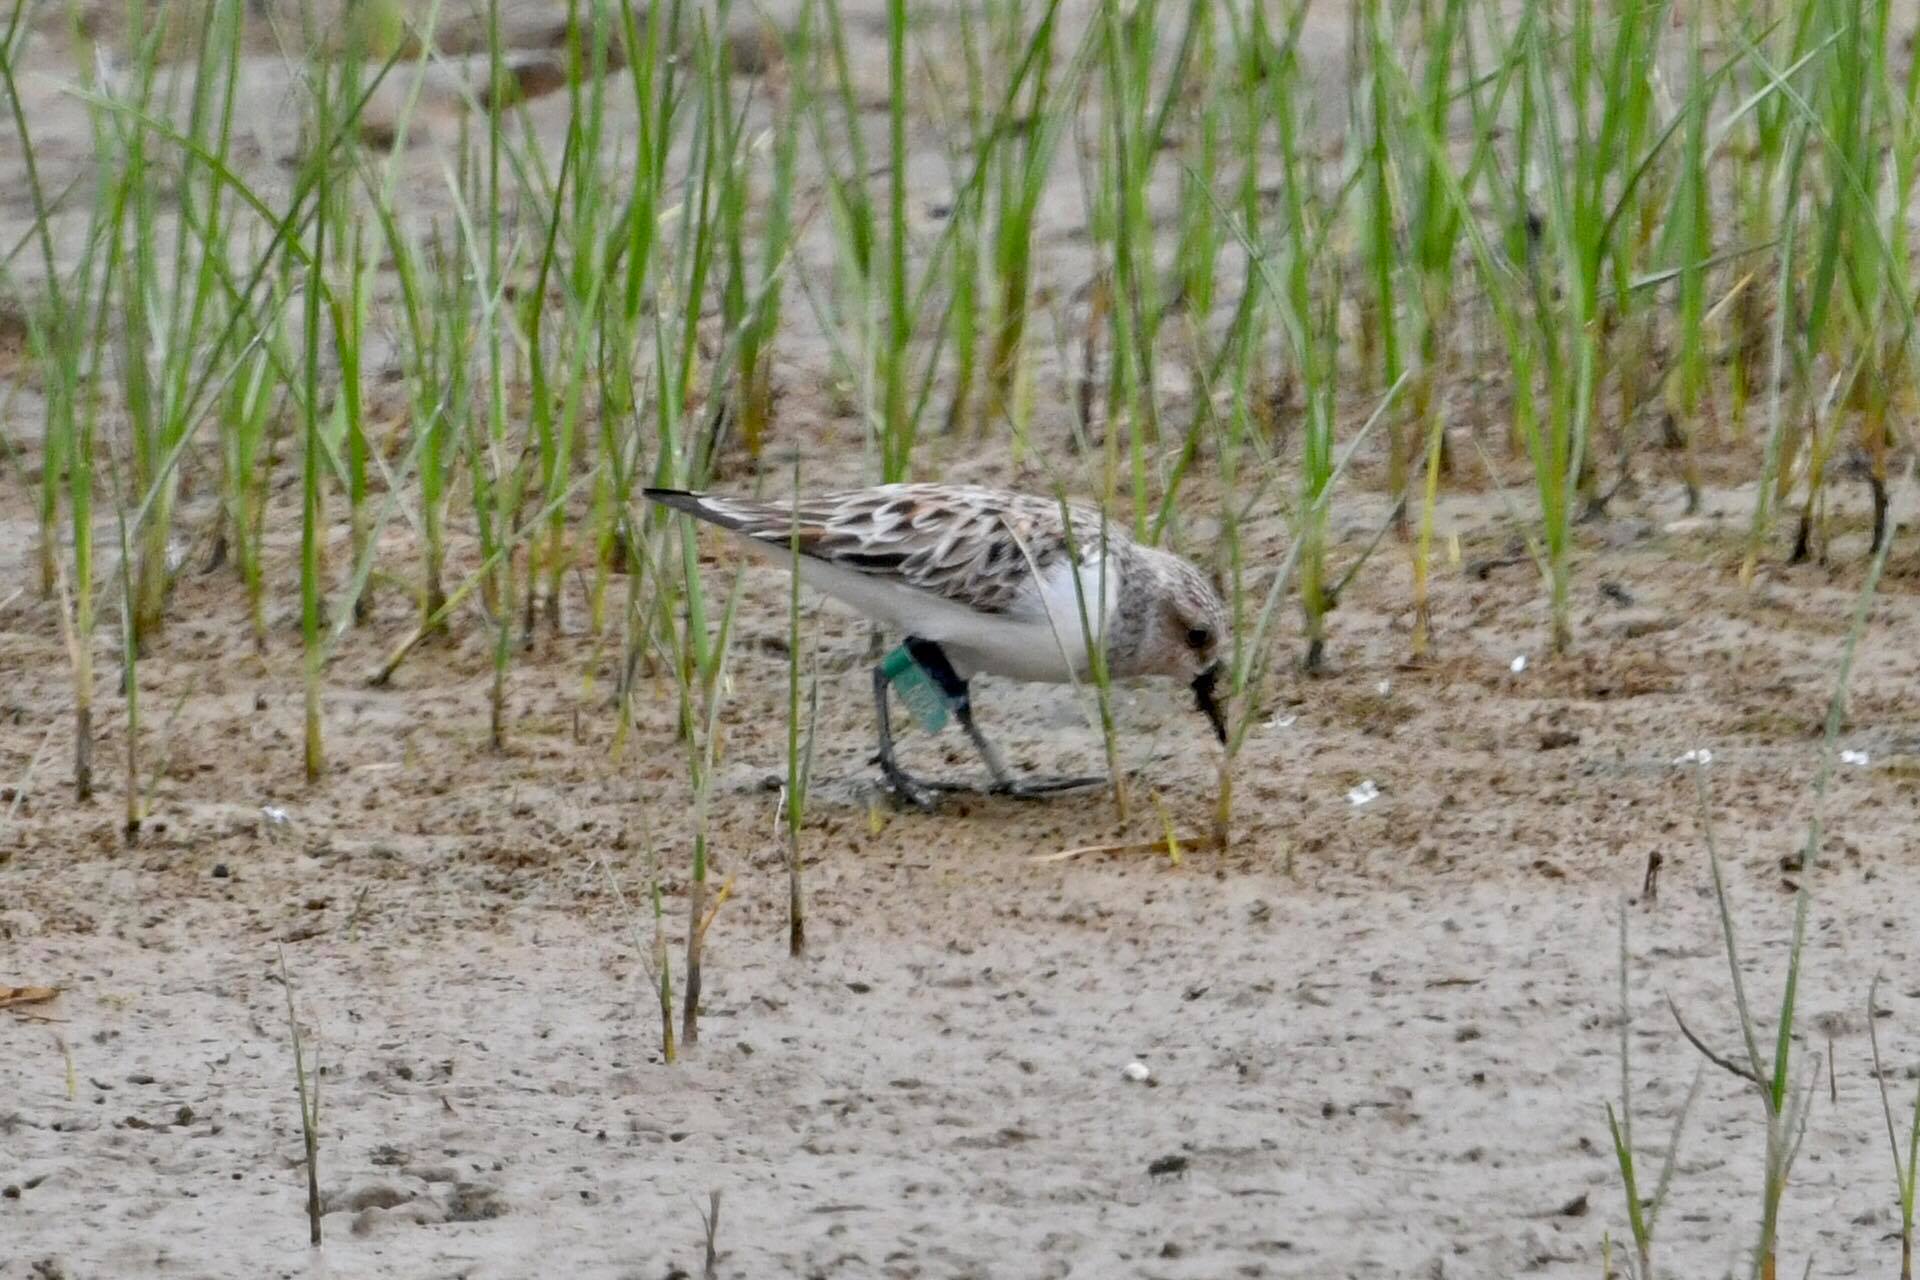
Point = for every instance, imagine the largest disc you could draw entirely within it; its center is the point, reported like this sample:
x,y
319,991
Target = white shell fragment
x,y
274,814
1366,793
1383,687
1518,664
1699,755
1136,1073
1856,758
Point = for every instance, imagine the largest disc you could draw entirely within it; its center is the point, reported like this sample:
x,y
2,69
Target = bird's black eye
x,y
1198,638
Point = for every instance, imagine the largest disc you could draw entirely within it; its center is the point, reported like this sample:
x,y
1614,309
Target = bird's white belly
x,y
1022,645
1024,652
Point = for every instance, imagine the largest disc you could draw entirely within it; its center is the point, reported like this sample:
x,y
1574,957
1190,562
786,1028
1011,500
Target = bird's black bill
x,y
1203,697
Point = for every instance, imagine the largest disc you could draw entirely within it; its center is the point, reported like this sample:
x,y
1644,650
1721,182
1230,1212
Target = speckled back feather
x,y
964,543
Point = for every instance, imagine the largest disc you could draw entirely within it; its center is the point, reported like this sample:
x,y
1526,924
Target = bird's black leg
x,y
904,785
933,660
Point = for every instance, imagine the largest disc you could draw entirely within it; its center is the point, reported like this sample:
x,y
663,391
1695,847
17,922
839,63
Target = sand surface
x,y
1381,1036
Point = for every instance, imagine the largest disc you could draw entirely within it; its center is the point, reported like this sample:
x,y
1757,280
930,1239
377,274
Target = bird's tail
x,y
698,505
738,515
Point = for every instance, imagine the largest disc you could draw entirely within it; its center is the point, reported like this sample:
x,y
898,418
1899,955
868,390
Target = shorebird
x,y
987,581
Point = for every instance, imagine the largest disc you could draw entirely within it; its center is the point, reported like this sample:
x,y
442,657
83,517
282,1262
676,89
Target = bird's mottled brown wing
x,y
974,546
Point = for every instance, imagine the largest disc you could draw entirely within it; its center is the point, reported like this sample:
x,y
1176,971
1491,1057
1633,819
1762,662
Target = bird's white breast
x,y
1039,638
1047,633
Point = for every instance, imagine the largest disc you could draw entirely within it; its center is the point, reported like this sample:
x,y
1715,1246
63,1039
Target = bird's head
x,y
1187,635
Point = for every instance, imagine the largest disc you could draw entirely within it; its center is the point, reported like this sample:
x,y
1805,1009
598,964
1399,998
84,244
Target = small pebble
x,y
1137,1072
220,871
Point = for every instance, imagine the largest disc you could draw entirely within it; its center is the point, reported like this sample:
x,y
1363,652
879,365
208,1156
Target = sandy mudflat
x,y
1391,1061
1381,1036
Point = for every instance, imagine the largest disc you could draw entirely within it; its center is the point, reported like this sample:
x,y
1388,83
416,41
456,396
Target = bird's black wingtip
x,y
698,505
679,499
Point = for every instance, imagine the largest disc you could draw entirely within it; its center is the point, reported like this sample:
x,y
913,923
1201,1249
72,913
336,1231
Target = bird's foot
x,y
1034,788
921,793
924,793
909,791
